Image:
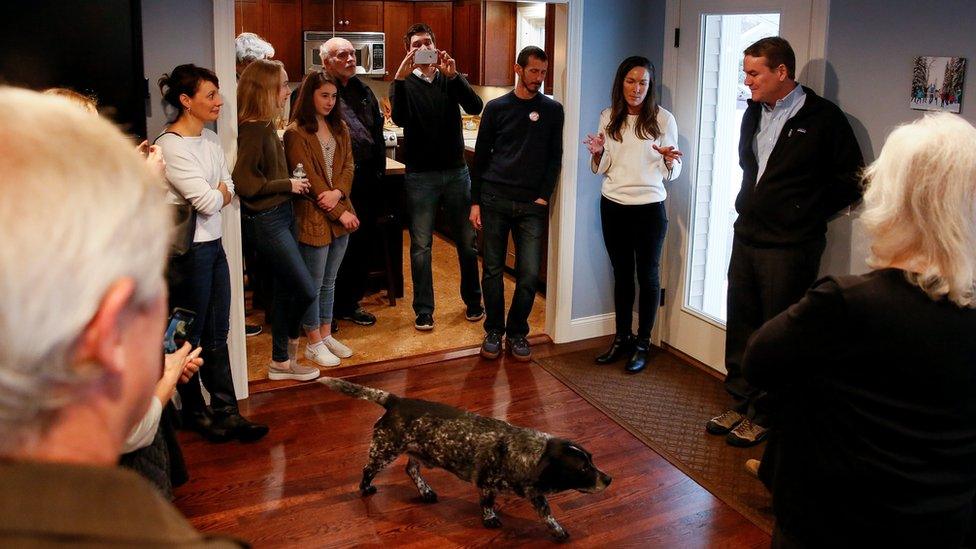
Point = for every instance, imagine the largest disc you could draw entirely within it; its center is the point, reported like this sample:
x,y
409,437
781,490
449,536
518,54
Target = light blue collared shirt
x,y
771,123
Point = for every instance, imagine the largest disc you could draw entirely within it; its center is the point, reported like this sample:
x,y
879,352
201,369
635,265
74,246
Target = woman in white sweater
x,y
635,148
199,280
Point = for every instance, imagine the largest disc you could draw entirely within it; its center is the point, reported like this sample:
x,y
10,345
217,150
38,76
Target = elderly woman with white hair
x,y
877,442
251,47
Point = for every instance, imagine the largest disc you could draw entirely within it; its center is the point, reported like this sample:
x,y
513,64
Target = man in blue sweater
x,y
425,97
516,164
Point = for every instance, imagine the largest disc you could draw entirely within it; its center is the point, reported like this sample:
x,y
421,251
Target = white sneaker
x,y
291,370
336,347
322,356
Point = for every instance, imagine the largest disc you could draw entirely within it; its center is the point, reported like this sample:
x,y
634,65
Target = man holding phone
x,y
425,97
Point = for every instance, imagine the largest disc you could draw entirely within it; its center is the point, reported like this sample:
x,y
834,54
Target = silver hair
x,y
329,47
251,47
80,211
920,206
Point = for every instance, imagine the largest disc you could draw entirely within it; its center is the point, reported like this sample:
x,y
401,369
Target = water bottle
x,y
299,172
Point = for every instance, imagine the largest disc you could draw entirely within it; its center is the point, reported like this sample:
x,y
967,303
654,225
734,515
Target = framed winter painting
x,y
937,83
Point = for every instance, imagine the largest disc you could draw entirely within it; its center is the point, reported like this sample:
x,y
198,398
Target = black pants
x,y
763,282
634,237
352,279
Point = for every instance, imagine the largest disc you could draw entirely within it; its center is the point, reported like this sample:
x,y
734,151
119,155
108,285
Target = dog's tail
x,y
355,391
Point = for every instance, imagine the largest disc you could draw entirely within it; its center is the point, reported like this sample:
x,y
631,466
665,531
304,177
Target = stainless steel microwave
x,y
370,48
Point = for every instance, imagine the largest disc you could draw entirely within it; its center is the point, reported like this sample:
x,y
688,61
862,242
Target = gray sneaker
x,y
746,434
519,348
491,347
723,423
294,371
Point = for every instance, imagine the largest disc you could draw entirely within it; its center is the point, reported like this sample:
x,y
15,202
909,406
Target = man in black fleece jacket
x,y
516,164
425,99
800,166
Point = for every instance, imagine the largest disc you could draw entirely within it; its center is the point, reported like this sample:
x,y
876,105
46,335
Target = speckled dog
x,y
493,455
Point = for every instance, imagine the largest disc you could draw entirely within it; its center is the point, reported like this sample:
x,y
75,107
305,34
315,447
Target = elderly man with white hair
x,y
251,47
84,228
361,112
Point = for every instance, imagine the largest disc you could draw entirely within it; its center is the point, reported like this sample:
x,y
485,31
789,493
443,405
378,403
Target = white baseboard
x,y
602,325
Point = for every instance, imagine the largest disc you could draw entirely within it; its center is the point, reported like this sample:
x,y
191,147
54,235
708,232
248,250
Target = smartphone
x,y
178,329
425,57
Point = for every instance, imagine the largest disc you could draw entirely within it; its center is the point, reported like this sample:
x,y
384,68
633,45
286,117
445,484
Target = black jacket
x,y
875,442
812,173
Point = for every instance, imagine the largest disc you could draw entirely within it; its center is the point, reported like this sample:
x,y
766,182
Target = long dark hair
x,y
303,114
646,126
184,79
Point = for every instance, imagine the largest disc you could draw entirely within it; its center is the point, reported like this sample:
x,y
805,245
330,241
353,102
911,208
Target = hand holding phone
x,y
178,329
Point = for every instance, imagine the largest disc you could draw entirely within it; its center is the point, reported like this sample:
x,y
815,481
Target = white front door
x,y
709,98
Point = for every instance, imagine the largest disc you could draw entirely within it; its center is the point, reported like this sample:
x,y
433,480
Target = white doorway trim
x,y
225,57
562,223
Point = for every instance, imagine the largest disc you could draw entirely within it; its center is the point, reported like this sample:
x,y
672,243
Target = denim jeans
x,y
527,222
424,191
273,233
199,281
323,264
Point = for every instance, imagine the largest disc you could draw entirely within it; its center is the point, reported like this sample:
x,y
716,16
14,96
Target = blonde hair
x,y
920,206
80,211
257,91
86,102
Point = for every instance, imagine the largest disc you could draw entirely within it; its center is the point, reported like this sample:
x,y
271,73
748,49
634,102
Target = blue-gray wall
x,y
173,32
870,48
612,31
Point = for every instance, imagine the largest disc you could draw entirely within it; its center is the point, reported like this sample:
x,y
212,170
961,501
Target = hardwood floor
x,y
298,486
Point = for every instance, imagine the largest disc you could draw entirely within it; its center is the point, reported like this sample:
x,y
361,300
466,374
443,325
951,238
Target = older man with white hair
x,y
361,112
85,229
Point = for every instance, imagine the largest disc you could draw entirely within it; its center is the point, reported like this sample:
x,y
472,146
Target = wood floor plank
x,y
298,486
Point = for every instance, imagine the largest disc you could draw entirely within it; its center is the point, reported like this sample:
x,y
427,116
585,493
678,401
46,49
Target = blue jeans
x,y
199,280
424,191
323,264
273,233
527,222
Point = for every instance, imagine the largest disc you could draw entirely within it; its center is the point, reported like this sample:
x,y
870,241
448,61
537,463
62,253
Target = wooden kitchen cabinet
x,y
399,16
350,15
280,23
484,41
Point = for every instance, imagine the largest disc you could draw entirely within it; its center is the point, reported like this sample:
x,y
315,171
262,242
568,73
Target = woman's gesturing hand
x,y
594,143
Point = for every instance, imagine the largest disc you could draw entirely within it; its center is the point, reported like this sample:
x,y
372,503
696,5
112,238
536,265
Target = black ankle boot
x,y
621,346
638,360
240,428
203,423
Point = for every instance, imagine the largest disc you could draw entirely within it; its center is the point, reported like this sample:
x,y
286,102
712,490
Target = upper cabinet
x,y
399,16
280,23
486,60
343,15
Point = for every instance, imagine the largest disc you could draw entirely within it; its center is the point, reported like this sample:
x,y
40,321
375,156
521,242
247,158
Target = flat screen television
x,y
92,47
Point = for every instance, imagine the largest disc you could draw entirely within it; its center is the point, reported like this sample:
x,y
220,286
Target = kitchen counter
x,y
395,168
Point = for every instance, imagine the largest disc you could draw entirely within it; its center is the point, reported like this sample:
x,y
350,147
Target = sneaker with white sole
x,y
336,347
321,355
292,370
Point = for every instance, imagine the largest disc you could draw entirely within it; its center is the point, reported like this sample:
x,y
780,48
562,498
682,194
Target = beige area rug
x,y
393,335
666,406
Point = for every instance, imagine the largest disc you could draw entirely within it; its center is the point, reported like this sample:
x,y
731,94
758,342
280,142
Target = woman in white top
x,y
199,280
635,149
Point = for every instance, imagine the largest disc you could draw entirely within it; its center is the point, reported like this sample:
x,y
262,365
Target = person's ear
x,y
185,101
101,342
782,73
